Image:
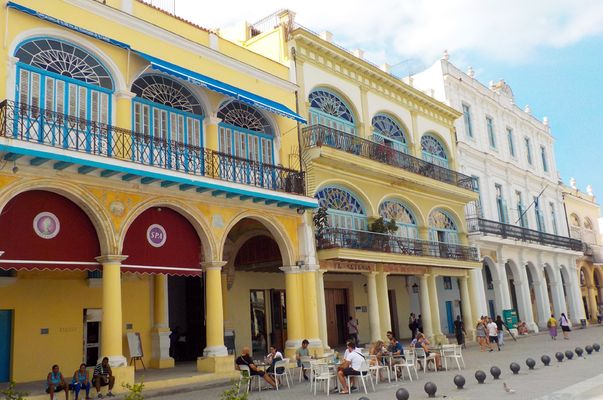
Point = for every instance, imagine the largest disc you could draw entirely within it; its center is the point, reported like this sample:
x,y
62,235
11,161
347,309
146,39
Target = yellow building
x,y
148,181
375,147
583,214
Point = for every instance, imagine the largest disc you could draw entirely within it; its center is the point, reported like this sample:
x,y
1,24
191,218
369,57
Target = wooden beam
x,y
37,161
61,165
129,177
84,169
166,184
108,173
147,179
12,156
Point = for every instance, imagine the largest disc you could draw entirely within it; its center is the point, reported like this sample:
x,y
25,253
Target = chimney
x,y
326,35
359,53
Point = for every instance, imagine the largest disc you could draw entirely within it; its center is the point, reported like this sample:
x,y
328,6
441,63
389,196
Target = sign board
x,y
134,345
510,318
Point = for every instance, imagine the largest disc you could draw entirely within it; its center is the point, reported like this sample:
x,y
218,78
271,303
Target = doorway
x,y
187,317
336,302
6,331
393,313
491,307
92,335
450,317
586,310
278,335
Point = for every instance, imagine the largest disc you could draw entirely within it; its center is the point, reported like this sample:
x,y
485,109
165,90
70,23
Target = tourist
x,y
272,358
459,331
303,351
55,383
353,329
245,359
424,344
412,324
396,347
501,333
378,349
565,326
522,328
552,325
103,376
420,323
81,381
493,332
350,367
480,335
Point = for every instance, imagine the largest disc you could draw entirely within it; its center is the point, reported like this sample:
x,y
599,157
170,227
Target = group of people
x,y
415,324
489,332
565,326
102,376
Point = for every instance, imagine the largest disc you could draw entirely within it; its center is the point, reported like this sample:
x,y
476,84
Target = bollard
x,y
546,360
579,351
459,381
515,368
430,388
402,394
569,354
559,356
597,347
480,376
589,349
530,363
495,371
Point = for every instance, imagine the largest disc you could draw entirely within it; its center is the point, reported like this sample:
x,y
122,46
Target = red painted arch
x,y
179,252
75,245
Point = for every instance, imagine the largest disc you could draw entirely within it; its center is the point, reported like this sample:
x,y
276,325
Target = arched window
x,y
582,277
405,220
166,110
574,220
329,110
245,132
60,77
388,132
434,151
442,227
344,209
588,225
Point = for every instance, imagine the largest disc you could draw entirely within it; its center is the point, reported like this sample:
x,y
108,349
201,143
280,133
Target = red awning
x,y
30,265
150,269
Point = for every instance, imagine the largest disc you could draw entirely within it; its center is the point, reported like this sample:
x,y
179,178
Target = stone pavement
x,y
580,378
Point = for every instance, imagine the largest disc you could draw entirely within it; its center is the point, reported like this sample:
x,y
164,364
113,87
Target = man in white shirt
x,y
493,333
350,367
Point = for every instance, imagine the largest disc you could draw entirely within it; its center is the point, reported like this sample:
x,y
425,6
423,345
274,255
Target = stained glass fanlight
x,y
330,104
244,116
433,151
164,90
338,199
389,128
438,219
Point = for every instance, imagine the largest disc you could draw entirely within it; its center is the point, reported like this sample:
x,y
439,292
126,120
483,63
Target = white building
x,y
519,223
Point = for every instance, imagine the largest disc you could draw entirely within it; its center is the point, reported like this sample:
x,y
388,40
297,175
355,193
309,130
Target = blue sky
x,y
549,51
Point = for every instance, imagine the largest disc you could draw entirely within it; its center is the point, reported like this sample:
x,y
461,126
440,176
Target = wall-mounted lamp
x,y
15,168
415,288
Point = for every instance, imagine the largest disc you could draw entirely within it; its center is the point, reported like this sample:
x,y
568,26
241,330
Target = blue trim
x,y
67,25
36,162
129,177
202,190
12,157
185,186
220,87
85,169
166,184
61,165
108,173
310,203
146,180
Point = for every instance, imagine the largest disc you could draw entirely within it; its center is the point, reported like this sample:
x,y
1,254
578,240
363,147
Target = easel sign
x,y
135,347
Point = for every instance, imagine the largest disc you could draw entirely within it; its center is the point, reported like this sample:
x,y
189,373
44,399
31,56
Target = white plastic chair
x,y
421,355
321,373
453,352
364,375
408,362
247,379
305,362
376,368
284,364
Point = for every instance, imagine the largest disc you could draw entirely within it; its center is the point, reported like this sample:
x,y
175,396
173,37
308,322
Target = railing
x,y
527,235
35,125
320,135
363,240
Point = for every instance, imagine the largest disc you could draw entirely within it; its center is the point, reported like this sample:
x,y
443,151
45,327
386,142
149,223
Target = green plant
x,y
134,391
11,394
380,225
233,392
321,221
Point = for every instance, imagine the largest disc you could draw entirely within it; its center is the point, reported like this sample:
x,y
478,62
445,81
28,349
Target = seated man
x,y
103,376
303,351
350,367
396,347
56,383
245,359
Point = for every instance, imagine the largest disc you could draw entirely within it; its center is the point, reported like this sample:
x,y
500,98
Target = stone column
x,y
542,301
425,306
477,290
592,303
120,142
112,325
215,355
557,292
322,309
160,334
211,134
382,292
523,299
502,288
373,306
310,306
295,320
468,318
574,296
435,309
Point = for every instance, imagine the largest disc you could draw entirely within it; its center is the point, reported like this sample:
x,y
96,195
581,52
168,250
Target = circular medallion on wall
x,y
46,225
156,235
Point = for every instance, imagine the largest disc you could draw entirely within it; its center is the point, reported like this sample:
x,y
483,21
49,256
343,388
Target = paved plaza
x,y
579,378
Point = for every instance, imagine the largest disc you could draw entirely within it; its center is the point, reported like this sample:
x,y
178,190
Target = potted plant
x,y
384,229
321,226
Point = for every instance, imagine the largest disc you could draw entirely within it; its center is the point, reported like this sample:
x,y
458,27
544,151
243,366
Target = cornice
x,y
160,33
318,51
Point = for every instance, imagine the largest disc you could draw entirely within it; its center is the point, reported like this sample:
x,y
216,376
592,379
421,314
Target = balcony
x,y
337,238
526,235
319,135
86,139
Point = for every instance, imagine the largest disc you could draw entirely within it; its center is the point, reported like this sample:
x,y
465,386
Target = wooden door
x,y
336,302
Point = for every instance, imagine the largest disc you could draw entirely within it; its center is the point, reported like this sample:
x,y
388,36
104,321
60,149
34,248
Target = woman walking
x,y
565,326
480,335
552,325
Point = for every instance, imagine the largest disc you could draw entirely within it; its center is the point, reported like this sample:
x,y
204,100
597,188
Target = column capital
x,y
370,273
213,265
310,268
125,94
213,120
292,269
111,259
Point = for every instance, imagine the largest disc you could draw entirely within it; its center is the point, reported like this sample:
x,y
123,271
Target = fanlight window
x,y
244,116
574,220
168,92
405,220
433,151
329,110
64,59
345,211
388,132
588,225
582,278
442,227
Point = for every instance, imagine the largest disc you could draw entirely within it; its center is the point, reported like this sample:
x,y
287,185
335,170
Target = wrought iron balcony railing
x,y
363,240
320,135
527,235
35,125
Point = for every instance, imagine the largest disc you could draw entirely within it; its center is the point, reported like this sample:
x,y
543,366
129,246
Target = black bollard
x,y
515,368
480,376
579,351
546,360
597,347
402,394
530,363
495,371
569,354
589,349
430,388
459,381
559,356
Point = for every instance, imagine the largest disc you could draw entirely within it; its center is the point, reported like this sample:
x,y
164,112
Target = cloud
x,y
395,30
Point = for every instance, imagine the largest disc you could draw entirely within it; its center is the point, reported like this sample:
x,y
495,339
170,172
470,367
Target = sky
x,y
549,51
